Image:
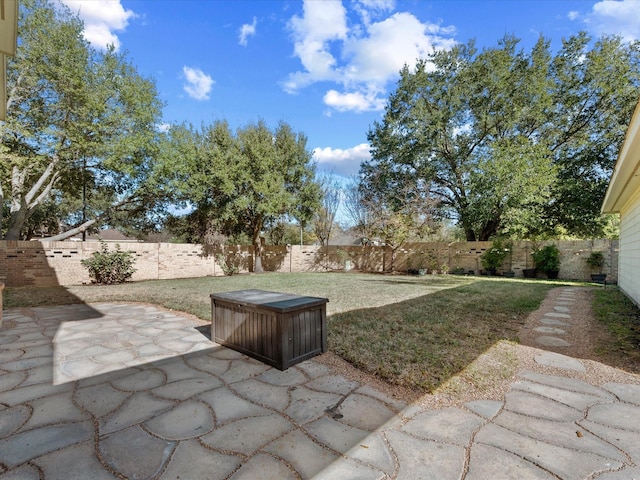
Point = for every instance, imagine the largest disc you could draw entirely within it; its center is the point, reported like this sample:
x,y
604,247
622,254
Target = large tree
x,y
510,142
80,128
241,182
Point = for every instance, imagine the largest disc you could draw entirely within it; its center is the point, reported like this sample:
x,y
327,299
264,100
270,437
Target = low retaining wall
x,y
37,263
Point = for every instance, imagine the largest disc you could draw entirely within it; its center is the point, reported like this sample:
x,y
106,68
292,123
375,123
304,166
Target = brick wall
x,y
58,263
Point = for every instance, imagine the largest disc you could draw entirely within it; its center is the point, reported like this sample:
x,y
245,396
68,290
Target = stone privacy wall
x,y
37,263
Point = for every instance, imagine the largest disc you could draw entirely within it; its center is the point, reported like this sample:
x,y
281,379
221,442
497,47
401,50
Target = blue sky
x,y
325,67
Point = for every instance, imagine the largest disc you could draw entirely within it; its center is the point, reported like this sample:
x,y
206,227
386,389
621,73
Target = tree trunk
x,y
72,232
489,230
16,221
257,252
24,204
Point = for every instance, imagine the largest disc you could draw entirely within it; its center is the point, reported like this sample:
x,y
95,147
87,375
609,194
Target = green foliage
x,y
242,182
547,258
228,263
80,129
494,256
595,260
507,141
109,267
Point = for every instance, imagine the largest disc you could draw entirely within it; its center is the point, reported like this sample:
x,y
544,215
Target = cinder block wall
x,y
59,263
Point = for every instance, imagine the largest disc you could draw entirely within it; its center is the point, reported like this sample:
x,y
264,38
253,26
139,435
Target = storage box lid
x,y
279,302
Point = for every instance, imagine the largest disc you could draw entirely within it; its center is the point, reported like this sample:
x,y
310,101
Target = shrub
x,y
595,260
228,264
493,257
108,267
547,258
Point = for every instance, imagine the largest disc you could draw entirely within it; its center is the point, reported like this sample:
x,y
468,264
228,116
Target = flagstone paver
x,y
112,390
548,341
553,321
557,360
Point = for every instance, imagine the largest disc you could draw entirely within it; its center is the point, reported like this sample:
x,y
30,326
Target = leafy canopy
x,y
511,142
240,182
80,129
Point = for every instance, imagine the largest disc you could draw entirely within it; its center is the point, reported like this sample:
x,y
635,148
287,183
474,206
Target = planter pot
x,y
598,277
529,273
491,272
509,274
553,274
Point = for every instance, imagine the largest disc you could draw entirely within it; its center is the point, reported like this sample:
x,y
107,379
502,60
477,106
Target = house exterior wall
x,y
629,268
623,197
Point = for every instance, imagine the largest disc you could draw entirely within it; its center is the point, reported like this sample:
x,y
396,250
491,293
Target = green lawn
x,y
621,319
408,330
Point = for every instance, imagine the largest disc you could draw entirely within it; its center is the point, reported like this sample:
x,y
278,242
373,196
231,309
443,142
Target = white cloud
x,y
102,18
342,162
391,43
573,14
617,17
354,101
198,84
247,30
362,58
321,23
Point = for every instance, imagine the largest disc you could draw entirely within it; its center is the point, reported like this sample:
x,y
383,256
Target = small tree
x,y
324,216
109,267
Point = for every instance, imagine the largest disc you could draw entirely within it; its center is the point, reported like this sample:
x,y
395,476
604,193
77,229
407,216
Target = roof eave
x,y
625,179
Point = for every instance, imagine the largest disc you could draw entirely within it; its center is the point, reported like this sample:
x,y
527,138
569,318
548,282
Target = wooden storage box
x,y
276,328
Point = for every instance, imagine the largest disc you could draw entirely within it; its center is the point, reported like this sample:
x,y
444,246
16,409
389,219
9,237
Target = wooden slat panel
x,y
279,339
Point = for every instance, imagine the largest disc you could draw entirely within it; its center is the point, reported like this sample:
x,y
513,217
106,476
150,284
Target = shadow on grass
x,y
422,342
15,297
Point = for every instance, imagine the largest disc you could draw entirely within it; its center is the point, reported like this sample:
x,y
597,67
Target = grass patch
x,y
191,295
621,347
411,331
422,342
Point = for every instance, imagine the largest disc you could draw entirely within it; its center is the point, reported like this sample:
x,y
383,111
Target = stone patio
x,y
111,391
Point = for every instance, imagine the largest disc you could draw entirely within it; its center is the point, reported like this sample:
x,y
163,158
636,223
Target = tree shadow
x,y
423,342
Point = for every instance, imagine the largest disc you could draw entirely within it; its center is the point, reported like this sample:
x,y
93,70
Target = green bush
x,y
493,257
108,267
228,263
596,260
547,258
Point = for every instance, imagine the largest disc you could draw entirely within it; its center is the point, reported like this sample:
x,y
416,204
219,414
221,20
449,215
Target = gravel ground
x,y
491,374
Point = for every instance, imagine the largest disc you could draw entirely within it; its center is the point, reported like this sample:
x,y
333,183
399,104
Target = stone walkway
x,y
555,323
129,391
